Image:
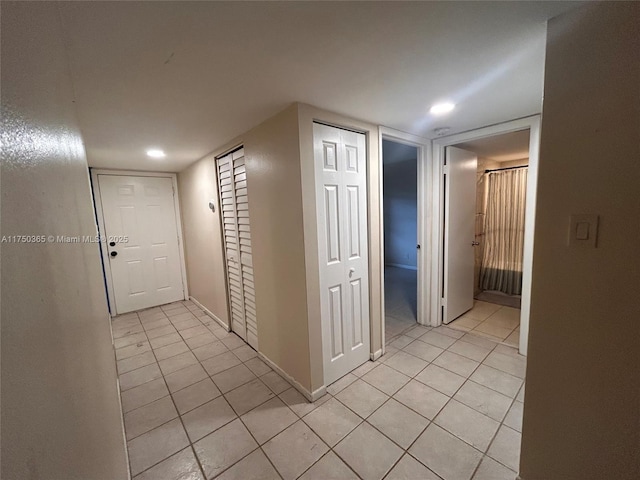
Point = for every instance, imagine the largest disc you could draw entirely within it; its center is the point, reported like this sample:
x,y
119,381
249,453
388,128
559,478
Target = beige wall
x,y
60,408
307,114
275,208
581,414
202,237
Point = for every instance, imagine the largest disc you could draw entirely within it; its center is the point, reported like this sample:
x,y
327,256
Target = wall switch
x,y
583,230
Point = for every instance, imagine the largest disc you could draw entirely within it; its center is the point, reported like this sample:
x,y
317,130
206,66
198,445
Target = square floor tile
x,y
484,400
364,368
482,310
467,424
132,350
156,445
127,330
195,395
224,447
505,448
257,366
294,450
208,418
401,341
275,382
422,399
332,421
489,469
220,363
183,466
165,340
269,419
368,452
441,379
245,352
437,339
408,364
339,385
497,380
146,418
493,330
480,340
139,376
329,467
362,398
210,350
253,466
232,378
298,402
160,322
408,468
513,365
171,350
194,331
386,379
185,377
132,363
160,332
514,416
469,350
178,362
417,331
423,350
456,363
201,340
143,394
248,396
232,341
398,422
446,455
130,340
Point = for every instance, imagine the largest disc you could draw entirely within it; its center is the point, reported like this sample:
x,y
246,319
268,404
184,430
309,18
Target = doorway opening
x,y
400,211
501,172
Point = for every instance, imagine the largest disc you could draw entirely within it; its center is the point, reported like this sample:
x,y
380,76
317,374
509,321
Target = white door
x,y
142,241
459,223
234,201
341,199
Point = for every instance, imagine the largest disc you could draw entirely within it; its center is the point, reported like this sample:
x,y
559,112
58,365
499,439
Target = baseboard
x,y
310,396
376,355
400,265
210,314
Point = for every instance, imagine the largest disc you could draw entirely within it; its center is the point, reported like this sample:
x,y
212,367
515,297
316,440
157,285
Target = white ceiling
x,y
189,76
501,148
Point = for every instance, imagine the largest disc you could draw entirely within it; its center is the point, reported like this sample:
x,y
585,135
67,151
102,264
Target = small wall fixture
x,y
442,108
155,153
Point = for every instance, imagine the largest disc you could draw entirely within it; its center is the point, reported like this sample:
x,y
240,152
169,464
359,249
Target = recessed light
x,y
442,108
155,153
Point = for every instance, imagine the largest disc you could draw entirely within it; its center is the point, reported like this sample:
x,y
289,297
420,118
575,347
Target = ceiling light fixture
x,y
155,153
442,108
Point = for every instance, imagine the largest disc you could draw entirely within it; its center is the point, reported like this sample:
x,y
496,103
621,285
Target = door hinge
x,y
445,169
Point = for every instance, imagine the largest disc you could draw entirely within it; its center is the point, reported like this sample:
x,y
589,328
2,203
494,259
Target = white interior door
x,y
142,240
341,199
459,221
234,201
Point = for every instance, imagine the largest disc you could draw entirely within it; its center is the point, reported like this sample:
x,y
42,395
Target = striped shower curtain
x,y
501,268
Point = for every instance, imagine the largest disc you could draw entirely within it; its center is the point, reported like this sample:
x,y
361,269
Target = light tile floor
x,y
198,403
496,322
400,300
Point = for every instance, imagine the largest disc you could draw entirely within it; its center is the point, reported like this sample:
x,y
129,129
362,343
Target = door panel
x,y
341,189
460,206
237,236
147,269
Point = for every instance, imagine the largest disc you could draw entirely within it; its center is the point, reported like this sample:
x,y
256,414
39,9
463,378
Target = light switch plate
x,y
583,230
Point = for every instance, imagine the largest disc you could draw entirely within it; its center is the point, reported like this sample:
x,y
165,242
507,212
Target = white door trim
x,y
97,201
533,124
425,172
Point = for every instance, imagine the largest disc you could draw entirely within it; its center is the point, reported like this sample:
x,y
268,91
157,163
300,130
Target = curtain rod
x,y
505,168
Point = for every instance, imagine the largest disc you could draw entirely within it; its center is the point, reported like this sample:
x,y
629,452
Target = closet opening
x,y
498,235
401,246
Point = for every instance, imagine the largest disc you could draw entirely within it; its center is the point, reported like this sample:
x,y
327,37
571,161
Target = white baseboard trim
x,y
210,313
400,265
311,396
376,355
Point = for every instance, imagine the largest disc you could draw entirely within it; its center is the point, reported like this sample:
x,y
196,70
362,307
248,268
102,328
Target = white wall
x,y
400,183
60,408
582,401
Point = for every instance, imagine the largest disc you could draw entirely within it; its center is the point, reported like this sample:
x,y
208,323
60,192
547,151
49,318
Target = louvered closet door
x,y
234,199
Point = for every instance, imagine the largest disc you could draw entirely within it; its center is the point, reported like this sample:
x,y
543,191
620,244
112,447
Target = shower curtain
x,y
501,268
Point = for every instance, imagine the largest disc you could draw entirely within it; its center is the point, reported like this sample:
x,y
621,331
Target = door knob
x,y
352,271
475,243
114,254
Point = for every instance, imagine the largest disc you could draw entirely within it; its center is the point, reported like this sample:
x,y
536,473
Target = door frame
x,y
424,221
532,123
97,202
